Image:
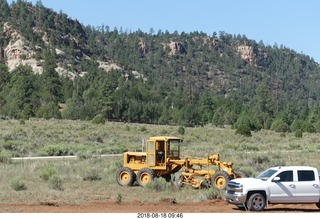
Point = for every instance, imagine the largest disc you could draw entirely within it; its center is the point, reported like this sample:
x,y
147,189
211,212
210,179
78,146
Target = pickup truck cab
x,y
277,185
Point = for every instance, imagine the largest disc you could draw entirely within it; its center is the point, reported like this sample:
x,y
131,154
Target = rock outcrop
x,y
17,52
174,47
246,53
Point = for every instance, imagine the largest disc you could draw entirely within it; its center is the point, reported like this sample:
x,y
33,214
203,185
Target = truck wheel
x,y
144,176
126,176
256,202
318,204
220,179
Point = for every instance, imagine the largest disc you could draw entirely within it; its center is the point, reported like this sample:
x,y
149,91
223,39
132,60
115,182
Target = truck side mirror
x,y
276,179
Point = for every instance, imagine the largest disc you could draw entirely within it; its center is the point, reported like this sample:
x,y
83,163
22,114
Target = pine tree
x,y
51,84
4,10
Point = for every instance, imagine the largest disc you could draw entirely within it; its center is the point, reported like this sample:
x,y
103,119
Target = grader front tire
x,y
220,179
125,176
145,176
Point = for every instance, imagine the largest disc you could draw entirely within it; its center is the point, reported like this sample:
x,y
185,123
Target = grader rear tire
x,y
145,176
241,174
125,176
220,179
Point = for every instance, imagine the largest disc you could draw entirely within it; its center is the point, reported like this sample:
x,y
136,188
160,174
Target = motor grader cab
x,y
155,161
161,158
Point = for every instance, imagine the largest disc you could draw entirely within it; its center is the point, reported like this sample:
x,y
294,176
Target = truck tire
x,y
145,176
318,204
126,176
256,202
220,179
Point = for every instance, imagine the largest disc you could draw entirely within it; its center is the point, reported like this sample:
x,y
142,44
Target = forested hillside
x,y
52,66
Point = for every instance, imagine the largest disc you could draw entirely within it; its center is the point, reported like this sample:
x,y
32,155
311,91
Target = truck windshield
x,y
266,174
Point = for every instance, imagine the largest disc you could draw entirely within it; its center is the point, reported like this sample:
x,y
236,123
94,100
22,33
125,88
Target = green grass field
x,y
93,178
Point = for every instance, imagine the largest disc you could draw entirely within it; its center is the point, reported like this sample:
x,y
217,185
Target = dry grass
x,y
253,154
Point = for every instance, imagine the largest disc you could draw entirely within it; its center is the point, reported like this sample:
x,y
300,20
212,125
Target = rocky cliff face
x,y
18,52
246,53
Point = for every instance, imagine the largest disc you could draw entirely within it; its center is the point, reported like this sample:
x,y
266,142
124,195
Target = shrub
x,y
91,175
298,133
294,146
18,185
143,129
296,125
48,111
244,130
243,121
119,198
317,126
158,184
164,132
56,183
8,145
47,172
261,160
279,126
5,157
181,130
282,135
308,127
249,147
209,194
55,150
84,155
98,119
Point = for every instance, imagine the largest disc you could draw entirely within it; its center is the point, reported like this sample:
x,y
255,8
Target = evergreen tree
x,y
218,117
279,126
4,10
201,80
73,109
51,84
20,94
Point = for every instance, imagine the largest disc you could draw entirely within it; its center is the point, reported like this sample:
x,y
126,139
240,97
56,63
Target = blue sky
x,y
291,23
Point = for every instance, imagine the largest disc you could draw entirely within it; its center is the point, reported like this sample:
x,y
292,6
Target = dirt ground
x,y
168,206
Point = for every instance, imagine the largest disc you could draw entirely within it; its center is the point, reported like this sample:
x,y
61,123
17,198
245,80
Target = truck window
x,y
286,176
306,175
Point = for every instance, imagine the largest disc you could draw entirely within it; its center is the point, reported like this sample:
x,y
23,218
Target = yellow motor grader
x,y
161,158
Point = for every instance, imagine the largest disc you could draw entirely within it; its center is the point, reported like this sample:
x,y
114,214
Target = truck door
x,y
151,153
307,187
283,190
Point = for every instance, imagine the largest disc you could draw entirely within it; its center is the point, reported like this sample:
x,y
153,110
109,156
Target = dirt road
x,y
214,206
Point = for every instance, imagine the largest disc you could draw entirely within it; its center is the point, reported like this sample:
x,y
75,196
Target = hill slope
x,y
166,78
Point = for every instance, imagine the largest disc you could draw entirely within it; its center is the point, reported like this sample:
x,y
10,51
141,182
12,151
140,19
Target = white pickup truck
x,y
277,185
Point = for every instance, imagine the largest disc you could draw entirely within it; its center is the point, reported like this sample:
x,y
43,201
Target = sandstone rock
x,y
175,48
246,52
106,66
